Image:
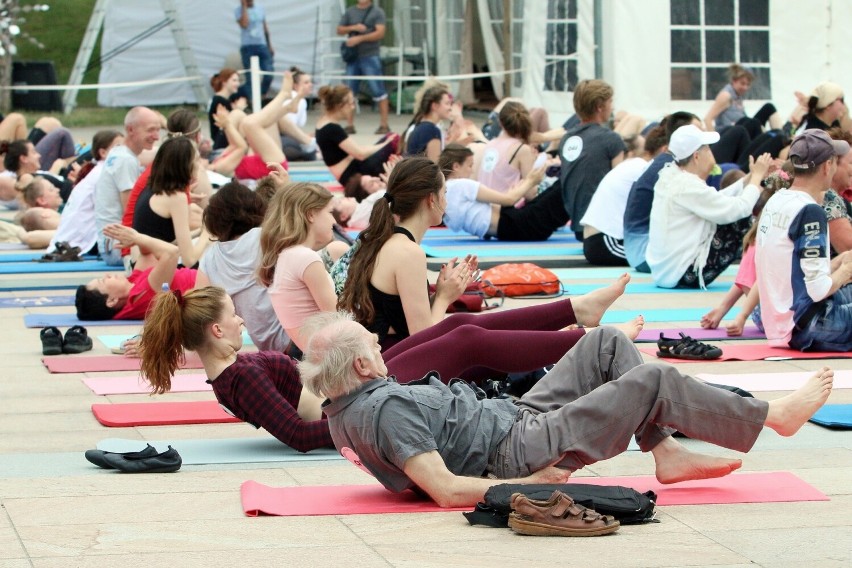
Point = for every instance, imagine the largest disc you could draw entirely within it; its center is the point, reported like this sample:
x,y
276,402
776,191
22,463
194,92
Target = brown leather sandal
x,y
558,516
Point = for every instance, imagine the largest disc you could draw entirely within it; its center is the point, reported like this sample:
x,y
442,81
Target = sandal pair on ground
x,y
686,348
76,340
63,252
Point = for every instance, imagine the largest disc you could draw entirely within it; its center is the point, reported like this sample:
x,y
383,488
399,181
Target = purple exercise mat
x,y
699,333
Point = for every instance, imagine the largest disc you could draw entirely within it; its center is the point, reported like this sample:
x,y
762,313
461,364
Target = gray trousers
x,y
601,393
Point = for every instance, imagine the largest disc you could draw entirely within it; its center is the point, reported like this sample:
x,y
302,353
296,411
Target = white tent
x,y
659,55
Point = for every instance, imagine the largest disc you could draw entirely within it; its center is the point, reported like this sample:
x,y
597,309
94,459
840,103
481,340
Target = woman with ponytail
x,y
260,388
826,108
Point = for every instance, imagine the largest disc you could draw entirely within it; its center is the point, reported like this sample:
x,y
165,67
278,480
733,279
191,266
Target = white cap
x,y
686,140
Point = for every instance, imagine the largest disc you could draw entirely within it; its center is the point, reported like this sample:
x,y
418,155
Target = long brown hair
x,y
173,166
286,223
174,323
411,181
515,120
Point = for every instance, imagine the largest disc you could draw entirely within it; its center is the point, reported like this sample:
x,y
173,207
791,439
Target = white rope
x,y
414,77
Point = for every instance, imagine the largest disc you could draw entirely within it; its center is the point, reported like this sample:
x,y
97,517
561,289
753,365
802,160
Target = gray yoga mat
x,y
223,450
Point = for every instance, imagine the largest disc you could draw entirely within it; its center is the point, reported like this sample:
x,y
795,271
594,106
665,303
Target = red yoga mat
x,y
773,487
99,363
755,352
161,413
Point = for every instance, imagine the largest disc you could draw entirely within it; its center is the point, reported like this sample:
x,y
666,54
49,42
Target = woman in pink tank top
x,y
509,157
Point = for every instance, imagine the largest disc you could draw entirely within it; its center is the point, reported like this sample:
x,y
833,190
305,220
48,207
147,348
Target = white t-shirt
x,y
77,222
361,217
464,212
300,117
606,210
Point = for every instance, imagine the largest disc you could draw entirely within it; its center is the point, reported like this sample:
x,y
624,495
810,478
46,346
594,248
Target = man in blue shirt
x,y
254,40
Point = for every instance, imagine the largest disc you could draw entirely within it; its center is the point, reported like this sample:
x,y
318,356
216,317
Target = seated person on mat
x,y
805,297
479,210
443,441
115,296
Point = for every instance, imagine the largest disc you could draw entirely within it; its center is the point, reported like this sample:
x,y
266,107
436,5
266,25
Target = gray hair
x,y
331,348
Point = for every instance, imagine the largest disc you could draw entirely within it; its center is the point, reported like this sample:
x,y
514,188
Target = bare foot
x,y
632,328
589,308
675,463
789,413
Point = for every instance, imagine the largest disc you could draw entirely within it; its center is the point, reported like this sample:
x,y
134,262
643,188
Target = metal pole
x,y
598,38
255,83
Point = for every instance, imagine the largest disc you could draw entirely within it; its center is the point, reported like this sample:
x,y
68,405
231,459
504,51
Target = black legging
x,y
537,220
732,145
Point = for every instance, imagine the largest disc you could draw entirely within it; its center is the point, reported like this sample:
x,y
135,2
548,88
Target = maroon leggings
x,y
476,346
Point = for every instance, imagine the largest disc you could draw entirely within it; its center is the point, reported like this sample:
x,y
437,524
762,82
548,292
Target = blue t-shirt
x,y
253,34
637,215
420,137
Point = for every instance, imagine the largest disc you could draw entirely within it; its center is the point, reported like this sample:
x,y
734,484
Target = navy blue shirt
x,y
420,137
637,215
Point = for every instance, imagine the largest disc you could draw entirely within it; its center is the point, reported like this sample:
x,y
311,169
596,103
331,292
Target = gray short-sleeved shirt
x,y
386,423
121,169
586,153
355,15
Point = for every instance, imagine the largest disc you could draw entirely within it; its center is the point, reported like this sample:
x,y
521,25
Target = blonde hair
x,y
286,223
737,71
589,96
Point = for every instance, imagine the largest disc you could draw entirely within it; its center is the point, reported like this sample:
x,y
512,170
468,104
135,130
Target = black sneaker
x,y
76,340
51,341
686,348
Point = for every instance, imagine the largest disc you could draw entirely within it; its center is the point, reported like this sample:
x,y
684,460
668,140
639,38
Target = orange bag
x,y
520,279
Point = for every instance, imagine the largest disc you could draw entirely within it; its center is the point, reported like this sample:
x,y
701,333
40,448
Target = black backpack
x,y
625,504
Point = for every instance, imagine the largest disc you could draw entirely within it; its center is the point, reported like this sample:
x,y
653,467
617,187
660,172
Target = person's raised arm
x,y
165,253
722,101
268,40
429,472
243,20
179,211
527,187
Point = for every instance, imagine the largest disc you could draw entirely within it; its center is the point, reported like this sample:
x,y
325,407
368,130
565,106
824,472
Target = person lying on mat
x,y
484,212
443,441
264,388
805,297
115,296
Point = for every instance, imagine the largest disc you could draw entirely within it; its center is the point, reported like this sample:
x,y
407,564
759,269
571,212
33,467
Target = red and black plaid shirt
x,y
263,389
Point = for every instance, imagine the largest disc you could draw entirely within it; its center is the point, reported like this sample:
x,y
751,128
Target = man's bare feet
x,y
632,328
789,413
675,463
590,308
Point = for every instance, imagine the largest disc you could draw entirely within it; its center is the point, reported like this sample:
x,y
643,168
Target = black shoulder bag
x,y
350,54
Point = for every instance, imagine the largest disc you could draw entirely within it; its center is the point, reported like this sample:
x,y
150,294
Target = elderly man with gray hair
x,y
444,441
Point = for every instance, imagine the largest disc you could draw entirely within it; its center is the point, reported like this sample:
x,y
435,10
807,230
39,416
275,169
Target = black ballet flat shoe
x,y
51,341
166,462
97,457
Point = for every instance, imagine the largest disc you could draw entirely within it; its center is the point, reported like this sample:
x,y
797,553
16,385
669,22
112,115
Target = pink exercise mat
x,y
754,352
161,413
773,487
100,363
757,382
138,385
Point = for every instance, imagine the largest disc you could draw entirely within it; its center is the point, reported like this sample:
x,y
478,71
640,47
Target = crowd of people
x,y
216,239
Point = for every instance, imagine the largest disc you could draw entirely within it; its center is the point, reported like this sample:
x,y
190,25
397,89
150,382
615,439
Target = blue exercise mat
x,y
67,320
641,288
222,451
47,267
318,177
660,315
31,257
36,302
515,251
836,416
599,272
114,341
22,284
468,241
